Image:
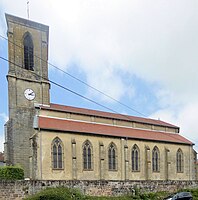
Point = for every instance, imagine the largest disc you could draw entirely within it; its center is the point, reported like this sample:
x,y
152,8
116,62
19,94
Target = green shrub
x,y
72,194
11,173
59,193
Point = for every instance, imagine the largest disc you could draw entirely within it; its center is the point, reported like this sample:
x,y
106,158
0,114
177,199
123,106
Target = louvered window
x,y
28,52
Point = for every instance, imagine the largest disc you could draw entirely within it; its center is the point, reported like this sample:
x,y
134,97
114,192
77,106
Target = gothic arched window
x,y
156,159
112,156
28,52
135,158
179,161
87,156
57,154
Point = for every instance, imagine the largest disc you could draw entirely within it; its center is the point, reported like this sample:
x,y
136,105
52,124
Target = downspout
x,y
40,153
190,166
122,159
126,159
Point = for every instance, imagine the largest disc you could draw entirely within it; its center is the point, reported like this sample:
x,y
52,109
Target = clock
x,y
29,94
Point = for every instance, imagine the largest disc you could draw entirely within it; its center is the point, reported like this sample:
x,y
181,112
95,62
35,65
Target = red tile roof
x,y
90,112
107,130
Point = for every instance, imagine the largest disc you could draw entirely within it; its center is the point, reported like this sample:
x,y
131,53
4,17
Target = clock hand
x,y
32,93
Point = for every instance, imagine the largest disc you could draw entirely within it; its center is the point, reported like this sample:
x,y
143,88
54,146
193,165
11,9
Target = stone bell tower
x,y
27,84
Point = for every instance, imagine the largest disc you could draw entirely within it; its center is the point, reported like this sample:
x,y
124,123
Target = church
x,y
58,142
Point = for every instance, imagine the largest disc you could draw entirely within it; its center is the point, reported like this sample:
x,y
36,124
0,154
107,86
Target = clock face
x,y
29,94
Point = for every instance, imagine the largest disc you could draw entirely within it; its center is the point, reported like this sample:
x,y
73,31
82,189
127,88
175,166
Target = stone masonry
x,y
19,128
16,190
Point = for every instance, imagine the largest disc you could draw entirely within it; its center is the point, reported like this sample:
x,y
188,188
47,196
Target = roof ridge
x,y
105,114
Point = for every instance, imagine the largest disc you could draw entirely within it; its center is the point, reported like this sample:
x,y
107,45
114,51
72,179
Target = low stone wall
x,y
19,189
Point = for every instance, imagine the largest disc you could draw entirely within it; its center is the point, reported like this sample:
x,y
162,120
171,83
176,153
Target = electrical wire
x,y
159,122
79,80
82,96
67,89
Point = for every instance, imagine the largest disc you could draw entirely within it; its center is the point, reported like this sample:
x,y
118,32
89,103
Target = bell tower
x,y
27,84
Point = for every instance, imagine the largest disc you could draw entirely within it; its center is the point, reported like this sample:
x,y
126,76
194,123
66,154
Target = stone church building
x,y
57,142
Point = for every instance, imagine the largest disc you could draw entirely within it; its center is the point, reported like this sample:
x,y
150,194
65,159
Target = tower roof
x,y
27,23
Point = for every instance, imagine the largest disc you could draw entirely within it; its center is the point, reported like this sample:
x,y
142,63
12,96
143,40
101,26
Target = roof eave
x,y
104,135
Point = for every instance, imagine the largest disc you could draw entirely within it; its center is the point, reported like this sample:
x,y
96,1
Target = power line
x,y
67,89
79,80
82,83
82,96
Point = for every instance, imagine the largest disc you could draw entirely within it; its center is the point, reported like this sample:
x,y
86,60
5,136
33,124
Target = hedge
x,y
59,193
63,193
11,173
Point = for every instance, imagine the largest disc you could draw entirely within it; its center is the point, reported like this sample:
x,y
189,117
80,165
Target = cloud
x,y
186,117
112,40
4,117
155,41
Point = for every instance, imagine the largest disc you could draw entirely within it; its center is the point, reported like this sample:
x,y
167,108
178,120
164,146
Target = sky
x,y
142,53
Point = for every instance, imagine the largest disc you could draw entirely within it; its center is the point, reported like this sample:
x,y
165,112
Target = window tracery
x,y
135,158
57,154
155,159
112,157
87,156
179,161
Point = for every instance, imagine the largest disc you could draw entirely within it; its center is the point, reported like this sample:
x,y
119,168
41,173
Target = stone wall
x,y
16,190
